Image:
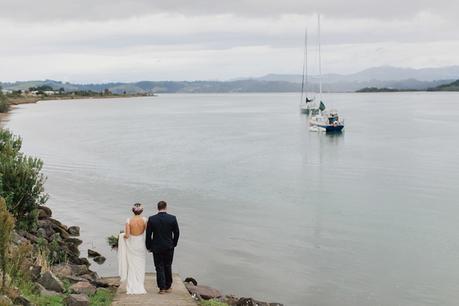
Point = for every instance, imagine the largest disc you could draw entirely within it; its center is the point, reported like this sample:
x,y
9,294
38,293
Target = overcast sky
x,y
131,40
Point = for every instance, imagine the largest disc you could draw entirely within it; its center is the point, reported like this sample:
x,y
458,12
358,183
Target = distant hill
x,y
454,86
381,73
165,86
379,77
393,78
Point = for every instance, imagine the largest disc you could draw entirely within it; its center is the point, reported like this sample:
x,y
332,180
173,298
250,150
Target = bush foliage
x,y
21,181
4,105
6,227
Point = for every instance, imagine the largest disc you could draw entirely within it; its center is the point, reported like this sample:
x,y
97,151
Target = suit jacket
x,y
162,232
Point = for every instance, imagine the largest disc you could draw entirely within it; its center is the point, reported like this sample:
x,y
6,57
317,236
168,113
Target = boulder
x,y
35,272
74,241
74,231
99,259
51,282
71,249
65,269
45,228
78,261
76,300
42,290
91,276
106,282
62,231
58,223
44,212
22,300
204,292
92,253
83,287
251,302
28,236
17,239
73,279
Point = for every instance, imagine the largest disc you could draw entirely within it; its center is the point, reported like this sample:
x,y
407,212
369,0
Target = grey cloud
x,y
46,10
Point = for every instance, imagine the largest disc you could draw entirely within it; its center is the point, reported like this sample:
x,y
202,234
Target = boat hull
x,y
332,128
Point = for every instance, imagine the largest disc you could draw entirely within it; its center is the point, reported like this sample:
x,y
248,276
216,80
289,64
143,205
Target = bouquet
x,y
113,241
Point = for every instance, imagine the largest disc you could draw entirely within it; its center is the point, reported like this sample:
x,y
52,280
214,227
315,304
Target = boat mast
x,y
320,60
305,63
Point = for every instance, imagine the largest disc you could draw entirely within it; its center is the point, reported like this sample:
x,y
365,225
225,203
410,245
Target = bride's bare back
x,y
135,227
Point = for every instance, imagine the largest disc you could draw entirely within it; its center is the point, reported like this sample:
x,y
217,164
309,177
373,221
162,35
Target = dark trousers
x,y
163,266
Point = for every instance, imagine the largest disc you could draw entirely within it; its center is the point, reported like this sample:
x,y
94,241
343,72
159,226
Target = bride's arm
x,y
127,230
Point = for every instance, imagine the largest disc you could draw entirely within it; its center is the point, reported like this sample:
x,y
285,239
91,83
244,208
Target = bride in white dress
x,y
132,252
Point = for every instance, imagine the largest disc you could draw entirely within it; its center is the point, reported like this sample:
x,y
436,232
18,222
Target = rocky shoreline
x,y
204,293
71,278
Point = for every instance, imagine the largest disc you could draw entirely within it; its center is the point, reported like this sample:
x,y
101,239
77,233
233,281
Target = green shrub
x,y
212,302
19,262
4,104
21,181
28,289
102,297
6,227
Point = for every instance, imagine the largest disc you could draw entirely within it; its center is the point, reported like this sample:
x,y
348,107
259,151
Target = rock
x,y
42,290
17,239
35,272
58,223
21,300
191,280
83,287
72,249
45,228
106,282
74,241
74,231
62,231
66,269
99,259
44,212
79,261
28,236
4,300
91,276
204,292
76,300
51,282
73,279
92,253
251,302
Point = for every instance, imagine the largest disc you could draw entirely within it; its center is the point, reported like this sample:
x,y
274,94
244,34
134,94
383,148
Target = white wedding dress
x,y
131,262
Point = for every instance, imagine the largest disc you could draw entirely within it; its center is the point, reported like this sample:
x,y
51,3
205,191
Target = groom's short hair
x,y
162,205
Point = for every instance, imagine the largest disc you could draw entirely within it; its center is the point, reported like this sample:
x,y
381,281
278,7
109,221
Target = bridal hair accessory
x,y
137,208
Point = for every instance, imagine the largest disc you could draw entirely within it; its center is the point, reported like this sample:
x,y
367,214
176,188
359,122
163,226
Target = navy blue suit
x,y
161,238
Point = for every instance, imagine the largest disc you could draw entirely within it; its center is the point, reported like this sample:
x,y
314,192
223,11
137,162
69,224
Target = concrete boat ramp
x,y
179,295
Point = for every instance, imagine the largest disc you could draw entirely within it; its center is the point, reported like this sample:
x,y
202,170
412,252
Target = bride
x,y
132,252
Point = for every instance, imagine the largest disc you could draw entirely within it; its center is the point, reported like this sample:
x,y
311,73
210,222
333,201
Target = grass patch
x,y
102,297
27,289
212,302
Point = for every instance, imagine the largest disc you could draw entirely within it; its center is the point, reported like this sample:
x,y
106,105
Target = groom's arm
x,y
176,232
148,236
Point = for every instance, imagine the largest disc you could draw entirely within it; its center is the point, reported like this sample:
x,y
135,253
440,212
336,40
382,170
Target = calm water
x,y
267,208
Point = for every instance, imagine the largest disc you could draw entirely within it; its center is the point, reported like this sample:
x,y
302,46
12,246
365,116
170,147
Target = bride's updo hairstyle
x,y
137,209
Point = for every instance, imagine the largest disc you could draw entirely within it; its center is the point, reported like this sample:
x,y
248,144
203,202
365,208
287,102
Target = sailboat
x,y
325,121
308,105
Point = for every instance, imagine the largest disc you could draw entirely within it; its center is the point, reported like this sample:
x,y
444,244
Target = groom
x,y
161,239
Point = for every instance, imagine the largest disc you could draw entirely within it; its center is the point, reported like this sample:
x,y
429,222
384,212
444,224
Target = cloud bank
x,y
97,41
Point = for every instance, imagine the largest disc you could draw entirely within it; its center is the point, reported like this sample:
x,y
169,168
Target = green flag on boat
x,y
322,106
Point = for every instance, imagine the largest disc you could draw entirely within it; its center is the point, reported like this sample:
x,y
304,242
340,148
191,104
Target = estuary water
x,y
267,208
